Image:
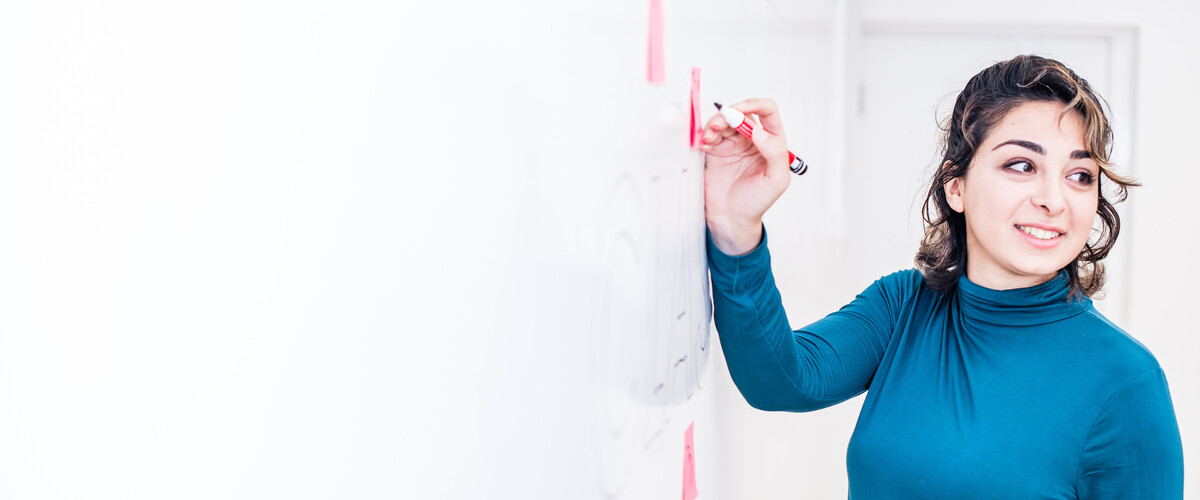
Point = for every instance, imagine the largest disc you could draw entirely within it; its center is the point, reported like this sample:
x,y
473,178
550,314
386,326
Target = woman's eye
x,y
1084,178
1020,166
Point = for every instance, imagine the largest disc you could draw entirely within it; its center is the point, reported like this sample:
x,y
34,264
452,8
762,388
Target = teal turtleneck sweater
x,y
976,393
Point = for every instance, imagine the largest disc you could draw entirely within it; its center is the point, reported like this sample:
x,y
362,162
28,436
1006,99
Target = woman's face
x,y
1029,197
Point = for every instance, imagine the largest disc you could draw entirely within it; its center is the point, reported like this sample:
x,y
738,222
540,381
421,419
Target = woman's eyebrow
x,y
1032,146
1078,154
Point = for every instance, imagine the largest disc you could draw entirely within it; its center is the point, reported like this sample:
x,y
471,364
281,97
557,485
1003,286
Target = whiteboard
x,y
370,249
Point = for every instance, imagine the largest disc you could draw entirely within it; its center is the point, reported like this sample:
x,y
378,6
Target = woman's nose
x,y
1049,196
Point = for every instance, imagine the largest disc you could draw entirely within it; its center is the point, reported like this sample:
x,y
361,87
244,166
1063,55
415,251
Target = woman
x,y
988,372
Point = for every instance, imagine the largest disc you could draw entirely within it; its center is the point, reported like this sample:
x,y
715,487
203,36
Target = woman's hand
x,y
743,177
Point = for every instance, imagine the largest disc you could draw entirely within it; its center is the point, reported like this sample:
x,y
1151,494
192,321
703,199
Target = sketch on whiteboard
x,y
652,312
683,280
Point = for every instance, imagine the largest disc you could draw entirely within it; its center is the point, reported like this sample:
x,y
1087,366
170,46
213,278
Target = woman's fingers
x,y
717,123
713,129
717,130
767,111
772,148
772,144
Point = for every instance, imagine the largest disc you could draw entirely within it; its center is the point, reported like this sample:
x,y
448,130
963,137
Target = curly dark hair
x,y
985,100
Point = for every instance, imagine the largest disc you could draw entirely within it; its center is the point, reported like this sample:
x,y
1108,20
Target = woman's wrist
x,y
736,237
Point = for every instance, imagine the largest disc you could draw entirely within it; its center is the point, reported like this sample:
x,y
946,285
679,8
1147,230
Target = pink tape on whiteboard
x,y
695,133
689,465
655,66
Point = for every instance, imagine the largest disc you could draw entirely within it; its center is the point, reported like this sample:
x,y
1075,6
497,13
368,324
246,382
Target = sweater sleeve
x,y
1134,449
776,368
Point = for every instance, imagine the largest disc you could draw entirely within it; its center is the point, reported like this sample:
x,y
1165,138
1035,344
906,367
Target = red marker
x,y
738,121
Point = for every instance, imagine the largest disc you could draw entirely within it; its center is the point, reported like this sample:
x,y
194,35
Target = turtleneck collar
x,y
1036,305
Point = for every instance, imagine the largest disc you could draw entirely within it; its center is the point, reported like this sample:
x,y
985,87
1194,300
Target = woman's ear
x,y
954,197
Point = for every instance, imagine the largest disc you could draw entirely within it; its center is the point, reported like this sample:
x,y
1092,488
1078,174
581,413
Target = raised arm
x,y
775,368
822,364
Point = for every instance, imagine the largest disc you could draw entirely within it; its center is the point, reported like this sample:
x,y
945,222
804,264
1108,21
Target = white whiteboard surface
x,y
365,249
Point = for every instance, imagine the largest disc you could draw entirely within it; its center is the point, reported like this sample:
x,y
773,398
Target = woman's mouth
x,y
1040,237
1041,234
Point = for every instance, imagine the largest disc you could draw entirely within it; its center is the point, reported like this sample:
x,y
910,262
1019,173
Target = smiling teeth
x,y
1040,234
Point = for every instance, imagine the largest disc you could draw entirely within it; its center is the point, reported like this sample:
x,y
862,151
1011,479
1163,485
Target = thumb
x,y
771,147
